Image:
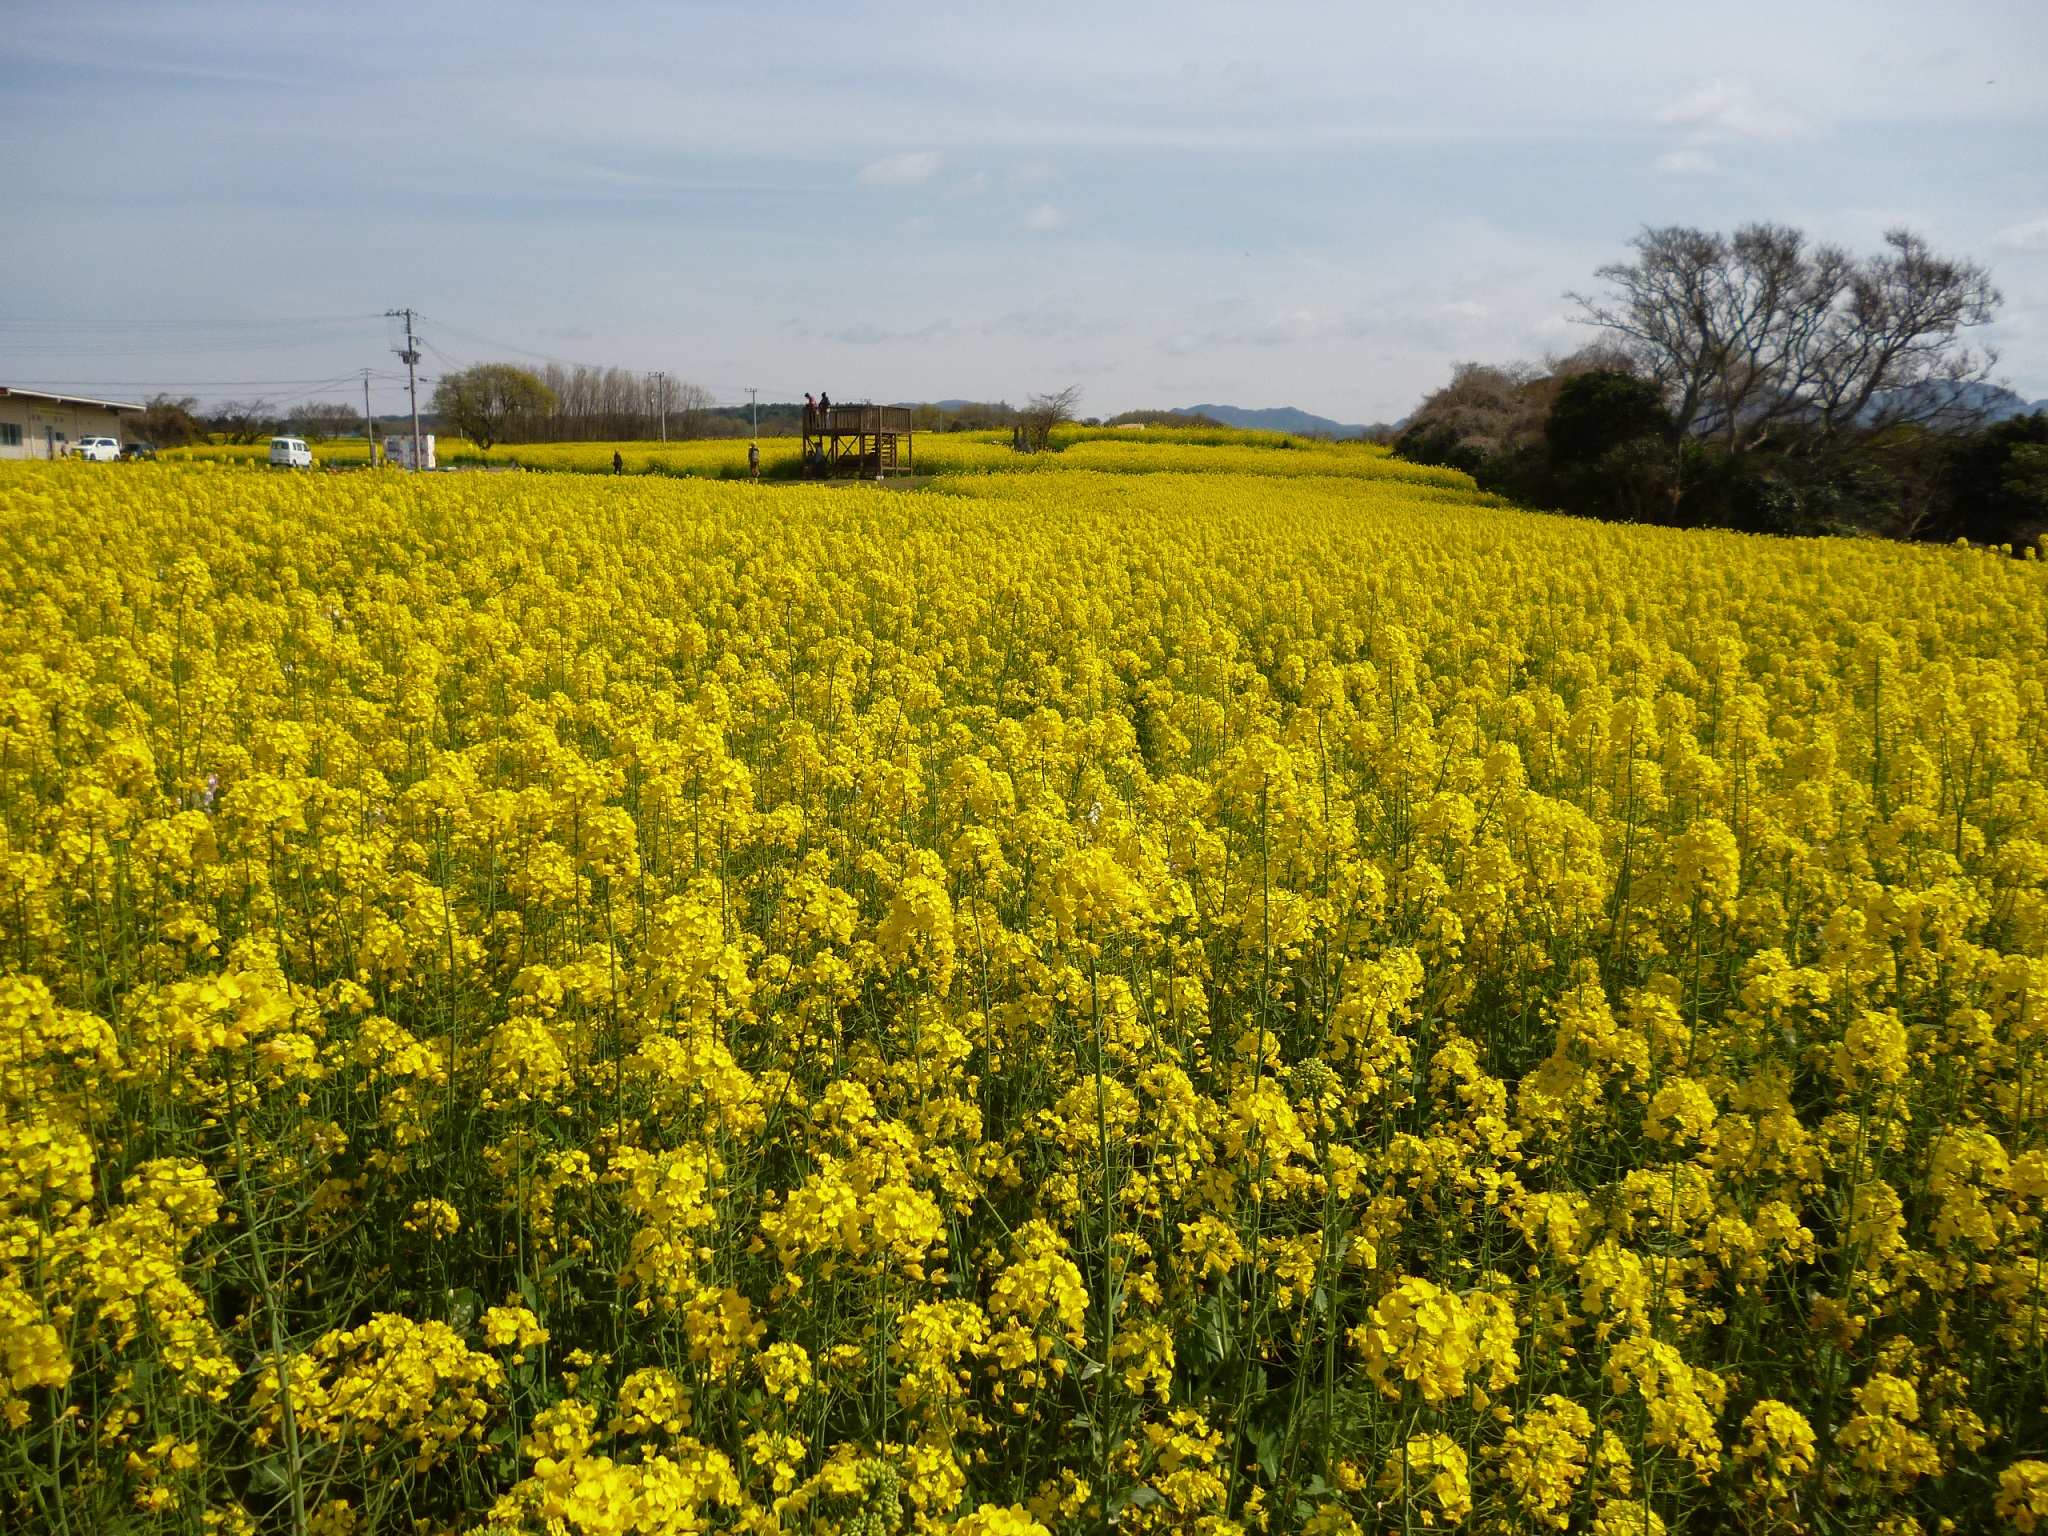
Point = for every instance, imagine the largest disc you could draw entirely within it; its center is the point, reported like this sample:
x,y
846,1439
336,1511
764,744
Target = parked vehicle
x,y
290,453
138,450
98,450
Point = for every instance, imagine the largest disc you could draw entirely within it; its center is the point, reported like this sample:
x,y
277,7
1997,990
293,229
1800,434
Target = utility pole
x,y
411,358
369,421
754,405
661,402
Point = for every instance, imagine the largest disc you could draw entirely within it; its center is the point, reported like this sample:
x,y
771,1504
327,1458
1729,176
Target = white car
x,y
290,453
99,450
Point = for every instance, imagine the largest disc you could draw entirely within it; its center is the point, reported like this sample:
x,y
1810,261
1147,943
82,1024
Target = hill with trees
x,y
1761,382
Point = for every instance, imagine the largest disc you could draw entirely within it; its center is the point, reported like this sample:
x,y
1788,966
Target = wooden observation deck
x,y
865,440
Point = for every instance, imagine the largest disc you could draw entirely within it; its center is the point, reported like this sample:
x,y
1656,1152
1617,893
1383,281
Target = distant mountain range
x,y
1279,418
1973,405
1283,418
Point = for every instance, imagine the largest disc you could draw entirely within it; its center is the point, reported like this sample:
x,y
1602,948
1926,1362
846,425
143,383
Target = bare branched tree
x,y
168,421
1900,337
611,405
318,421
243,421
1753,334
1044,412
687,405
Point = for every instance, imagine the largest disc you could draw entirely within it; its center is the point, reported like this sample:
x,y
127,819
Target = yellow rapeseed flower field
x,y
1163,986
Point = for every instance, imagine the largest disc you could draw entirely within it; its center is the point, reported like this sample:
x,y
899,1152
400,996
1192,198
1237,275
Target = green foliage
x,y
479,401
1596,412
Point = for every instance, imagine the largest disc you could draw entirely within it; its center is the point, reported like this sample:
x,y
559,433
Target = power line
x,y
180,383
187,335
569,362
300,321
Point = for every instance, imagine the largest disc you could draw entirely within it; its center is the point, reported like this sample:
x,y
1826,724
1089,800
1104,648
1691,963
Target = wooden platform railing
x,y
850,420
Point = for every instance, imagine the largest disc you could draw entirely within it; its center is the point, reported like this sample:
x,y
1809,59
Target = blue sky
x,y
1314,205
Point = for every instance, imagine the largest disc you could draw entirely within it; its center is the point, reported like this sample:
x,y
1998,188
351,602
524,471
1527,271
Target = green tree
x,y
1597,411
1998,483
480,401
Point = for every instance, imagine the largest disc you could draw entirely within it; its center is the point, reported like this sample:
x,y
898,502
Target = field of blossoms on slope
x,y
1224,1000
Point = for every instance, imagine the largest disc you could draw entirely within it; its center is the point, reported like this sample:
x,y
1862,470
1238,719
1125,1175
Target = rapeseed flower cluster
x,y
1177,985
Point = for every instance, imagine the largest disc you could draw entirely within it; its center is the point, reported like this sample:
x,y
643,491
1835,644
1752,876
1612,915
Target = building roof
x,y
62,399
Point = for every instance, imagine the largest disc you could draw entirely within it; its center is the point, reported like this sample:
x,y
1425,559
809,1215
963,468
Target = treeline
x,y
1762,383
173,421
608,405
965,416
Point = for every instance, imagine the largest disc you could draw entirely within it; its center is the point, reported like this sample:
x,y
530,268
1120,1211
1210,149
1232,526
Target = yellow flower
x,y
1435,1466
435,1219
1543,1458
1435,1339
2023,1495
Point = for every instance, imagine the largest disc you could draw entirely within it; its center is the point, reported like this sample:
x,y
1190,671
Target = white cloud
x,y
904,170
973,185
1687,162
924,224
2030,236
1032,171
1050,319
1235,326
870,333
1731,109
1044,216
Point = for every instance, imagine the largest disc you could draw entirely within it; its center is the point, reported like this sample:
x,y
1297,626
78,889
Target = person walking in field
x,y
754,461
618,462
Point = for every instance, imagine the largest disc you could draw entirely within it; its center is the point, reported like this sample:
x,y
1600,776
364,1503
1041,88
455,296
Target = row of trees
x,y
501,403
578,404
489,403
1760,381
172,421
498,402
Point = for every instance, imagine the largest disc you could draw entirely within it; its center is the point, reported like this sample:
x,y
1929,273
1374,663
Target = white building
x,y
36,424
398,451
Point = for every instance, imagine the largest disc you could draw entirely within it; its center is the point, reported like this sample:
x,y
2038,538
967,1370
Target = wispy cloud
x,y
1727,110
2030,236
1236,326
904,170
1047,319
1045,216
923,224
1687,162
1032,171
972,185
869,333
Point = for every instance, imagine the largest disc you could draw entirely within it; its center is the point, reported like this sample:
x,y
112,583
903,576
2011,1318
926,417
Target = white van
x,y
98,450
290,453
